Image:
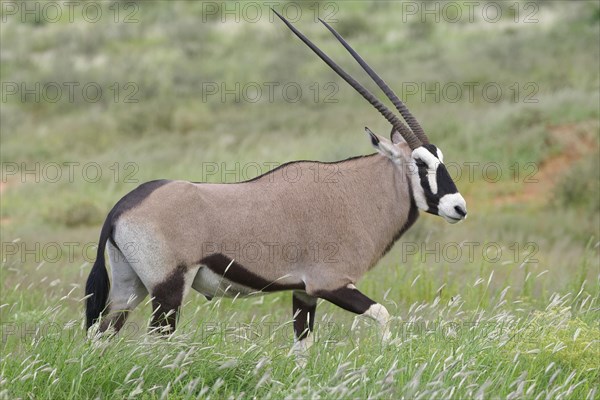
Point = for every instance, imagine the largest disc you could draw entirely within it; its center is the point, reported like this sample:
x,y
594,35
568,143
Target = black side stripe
x,y
219,263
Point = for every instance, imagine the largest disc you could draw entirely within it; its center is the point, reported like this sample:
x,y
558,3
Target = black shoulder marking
x,y
287,164
237,273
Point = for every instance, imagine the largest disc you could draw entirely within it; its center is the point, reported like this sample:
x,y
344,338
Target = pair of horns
x,y
414,136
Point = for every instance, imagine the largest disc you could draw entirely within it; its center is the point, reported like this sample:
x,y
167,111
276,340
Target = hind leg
x,y
166,278
167,297
126,293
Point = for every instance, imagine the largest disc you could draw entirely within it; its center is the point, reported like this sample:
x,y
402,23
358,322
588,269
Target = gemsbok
x,y
189,235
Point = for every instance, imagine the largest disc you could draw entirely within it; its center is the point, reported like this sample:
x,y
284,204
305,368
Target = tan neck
x,y
384,204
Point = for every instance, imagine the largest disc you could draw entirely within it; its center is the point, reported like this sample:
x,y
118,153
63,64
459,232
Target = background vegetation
x,y
515,317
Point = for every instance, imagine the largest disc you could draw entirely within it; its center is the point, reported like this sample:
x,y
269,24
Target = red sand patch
x,y
576,140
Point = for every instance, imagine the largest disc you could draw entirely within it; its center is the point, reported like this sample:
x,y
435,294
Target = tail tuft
x,y
97,284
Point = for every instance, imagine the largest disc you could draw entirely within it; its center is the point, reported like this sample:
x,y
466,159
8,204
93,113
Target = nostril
x,y
460,211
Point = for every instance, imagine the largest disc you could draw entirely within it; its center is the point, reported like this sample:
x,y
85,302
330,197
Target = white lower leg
x,y
302,345
300,349
380,314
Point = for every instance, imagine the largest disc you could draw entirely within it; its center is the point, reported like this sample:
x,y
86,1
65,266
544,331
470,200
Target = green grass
x,y
472,340
471,325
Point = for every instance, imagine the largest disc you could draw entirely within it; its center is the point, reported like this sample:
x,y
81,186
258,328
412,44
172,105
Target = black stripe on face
x,y
424,169
445,184
444,181
237,273
431,198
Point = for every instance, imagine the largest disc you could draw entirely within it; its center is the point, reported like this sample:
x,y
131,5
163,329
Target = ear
x,y
396,137
382,145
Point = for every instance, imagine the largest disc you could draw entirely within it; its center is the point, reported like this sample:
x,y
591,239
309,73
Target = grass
x,y
505,305
473,341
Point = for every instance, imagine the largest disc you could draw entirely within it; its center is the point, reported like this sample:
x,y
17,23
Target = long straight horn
x,y
406,133
406,114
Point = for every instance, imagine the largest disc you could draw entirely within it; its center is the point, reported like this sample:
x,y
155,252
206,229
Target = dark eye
x,y
420,163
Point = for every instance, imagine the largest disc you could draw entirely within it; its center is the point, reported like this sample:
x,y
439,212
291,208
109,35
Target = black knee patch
x,y
167,298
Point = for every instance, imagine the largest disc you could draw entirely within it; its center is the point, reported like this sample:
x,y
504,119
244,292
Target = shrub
x,y
580,186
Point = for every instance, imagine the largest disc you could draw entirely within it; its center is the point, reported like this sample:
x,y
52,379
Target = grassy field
x,y
504,305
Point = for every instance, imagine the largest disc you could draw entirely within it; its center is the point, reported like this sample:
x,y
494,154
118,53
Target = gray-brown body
x,y
314,228
306,225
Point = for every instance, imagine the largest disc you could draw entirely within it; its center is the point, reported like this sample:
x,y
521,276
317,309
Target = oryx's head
x,y
432,187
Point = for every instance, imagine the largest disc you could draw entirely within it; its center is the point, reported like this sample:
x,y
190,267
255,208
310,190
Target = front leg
x,y
351,299
303,309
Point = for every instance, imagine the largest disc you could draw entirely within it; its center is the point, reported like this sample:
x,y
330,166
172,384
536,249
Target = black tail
x,y
97,284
